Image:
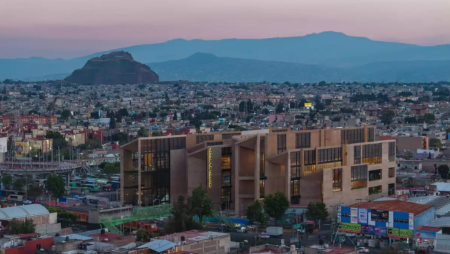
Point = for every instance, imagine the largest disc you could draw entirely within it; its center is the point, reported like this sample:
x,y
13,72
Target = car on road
x,y
264,236
242,230
363,250
27,202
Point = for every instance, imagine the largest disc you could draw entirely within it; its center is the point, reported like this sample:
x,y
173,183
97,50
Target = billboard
x,y
380,231
308,104
350,228
368,230
379,215
362,215
21,149
354,215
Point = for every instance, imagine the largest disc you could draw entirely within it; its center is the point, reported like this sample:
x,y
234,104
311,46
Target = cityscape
x,y
305,144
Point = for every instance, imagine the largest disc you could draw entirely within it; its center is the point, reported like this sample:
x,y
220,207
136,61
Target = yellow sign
x,y
209,167
308,104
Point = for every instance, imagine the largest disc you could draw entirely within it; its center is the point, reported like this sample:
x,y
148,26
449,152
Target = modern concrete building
x,y
329,165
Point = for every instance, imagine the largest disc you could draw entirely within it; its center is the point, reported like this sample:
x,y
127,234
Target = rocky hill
x,y
113,68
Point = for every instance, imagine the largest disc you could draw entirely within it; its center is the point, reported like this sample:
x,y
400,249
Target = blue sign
x,y
424,234
380,231
367,230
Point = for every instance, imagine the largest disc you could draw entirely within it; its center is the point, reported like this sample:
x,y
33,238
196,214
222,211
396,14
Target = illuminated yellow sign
x,y
209,167
308,104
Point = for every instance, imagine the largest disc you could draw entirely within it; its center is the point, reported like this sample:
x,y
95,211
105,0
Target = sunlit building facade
x,y
328,165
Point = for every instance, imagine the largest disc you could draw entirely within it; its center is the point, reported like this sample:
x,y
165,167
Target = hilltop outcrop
x,y
113,68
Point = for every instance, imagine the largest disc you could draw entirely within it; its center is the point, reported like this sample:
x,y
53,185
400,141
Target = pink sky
x,y
69,28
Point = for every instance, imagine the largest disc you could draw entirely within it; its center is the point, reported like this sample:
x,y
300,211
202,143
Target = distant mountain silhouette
x,y
113,68
208,67
327,49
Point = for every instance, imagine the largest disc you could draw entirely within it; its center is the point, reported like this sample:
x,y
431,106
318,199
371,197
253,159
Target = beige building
x,y
329,165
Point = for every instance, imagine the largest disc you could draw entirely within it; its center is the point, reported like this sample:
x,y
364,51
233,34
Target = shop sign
x,y
362,215
424,234
367,229
380,231
350,227
399,233
354,215
411,221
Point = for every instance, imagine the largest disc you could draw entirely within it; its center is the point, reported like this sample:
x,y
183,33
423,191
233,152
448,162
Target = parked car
x,y
242,230
264,236
363,250
27,202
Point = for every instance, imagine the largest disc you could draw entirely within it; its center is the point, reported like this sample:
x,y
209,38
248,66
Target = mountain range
x,y
329,54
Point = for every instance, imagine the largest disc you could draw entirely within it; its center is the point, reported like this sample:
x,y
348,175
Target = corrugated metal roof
x,y
158,245
394,205
440,222
15,212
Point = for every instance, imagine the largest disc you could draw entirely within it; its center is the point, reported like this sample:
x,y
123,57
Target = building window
x,y
391,172
281,143
262,165
337,179
295,165
330,155
230,135
226,162
310,162
295,191
226,198
375,175
392,151
375,190
262,185
203,138
226,179
357,154
371,134
214,143
352,136
371,153
359,173
391,189
303,140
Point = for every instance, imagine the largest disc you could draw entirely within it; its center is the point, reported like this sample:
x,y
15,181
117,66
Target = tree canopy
x,y
317,211
55,185
201,204
276,204
255,213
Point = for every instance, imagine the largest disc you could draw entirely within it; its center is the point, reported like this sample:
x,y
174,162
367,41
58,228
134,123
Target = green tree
x,y
280,108
112,123
317,211
429,118
142,132
65,114
435,142
143,235
201,204
387,116
443,171
18,184
55,185
181,220
276,204
34,191
17,227
255,213
54,135
7,180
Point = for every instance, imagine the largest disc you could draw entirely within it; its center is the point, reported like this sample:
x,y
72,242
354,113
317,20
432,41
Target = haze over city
x,y
72,28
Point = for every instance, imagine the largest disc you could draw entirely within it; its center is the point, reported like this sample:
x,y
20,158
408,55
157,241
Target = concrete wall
x,y
178,170
48,229
196,171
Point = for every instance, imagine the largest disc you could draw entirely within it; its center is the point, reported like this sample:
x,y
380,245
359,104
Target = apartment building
x,y
329,165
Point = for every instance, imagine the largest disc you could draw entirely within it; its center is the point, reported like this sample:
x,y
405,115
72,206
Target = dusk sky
x,y
70,28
